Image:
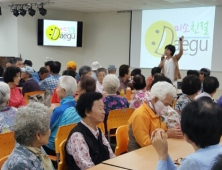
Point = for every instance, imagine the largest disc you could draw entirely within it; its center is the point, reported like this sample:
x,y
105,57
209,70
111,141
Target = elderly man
x,y
30,84
85,71
147,117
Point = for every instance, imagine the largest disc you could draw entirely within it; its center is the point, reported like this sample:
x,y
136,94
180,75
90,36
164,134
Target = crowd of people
x,y
86,97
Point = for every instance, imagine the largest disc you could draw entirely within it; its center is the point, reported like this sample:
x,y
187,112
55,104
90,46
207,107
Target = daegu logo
x,y
158,35
54,33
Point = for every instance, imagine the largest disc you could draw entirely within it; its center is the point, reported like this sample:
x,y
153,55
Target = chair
x,y
121,140
2,161
62,163
31,94
7,144
102,127
118,118
174,103
62,135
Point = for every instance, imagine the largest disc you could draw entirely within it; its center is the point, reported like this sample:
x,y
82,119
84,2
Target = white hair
x,y
4,94
161,90
69,84
111,84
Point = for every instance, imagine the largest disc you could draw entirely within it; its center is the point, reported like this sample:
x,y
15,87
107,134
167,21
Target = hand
x,y
181,39
162,58
159,142
175,133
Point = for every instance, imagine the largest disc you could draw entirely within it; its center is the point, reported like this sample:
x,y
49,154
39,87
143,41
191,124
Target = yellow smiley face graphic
x,y
53,32
158,35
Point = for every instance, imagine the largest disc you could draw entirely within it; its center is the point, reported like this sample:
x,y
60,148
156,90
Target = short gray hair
x,y
4,94
69,84
84,70
111,84
161,90
30,120
101,70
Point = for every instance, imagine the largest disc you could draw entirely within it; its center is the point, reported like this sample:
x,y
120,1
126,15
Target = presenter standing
x,y
169,62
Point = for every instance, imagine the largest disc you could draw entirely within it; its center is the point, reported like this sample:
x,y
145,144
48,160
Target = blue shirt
x,y
69,116
35,76
202,159
49,83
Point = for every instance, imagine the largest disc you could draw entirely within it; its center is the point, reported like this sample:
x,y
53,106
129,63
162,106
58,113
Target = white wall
x,y
8,34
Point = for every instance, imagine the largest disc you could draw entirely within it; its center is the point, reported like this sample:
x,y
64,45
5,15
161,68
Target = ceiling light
x,y
21,11
15,12
31,11
42,11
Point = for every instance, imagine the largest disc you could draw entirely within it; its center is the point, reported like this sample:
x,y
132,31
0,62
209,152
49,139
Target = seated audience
x,y
100,74
55,98
124,75
50,83
47,64
210,86
203,73
134,72
86,145
86,84
112,101
201,127
64,114
95,67
32,131
18,62
190,87
141,95
193,72
12,77
71,65
111,69
9,62
218,163
7,114
41,75
30,85
85,71
146,118
27,63
149,80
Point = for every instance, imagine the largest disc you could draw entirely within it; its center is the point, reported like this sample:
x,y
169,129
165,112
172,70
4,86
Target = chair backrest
x,y
102,127
31,94
62,163
7,144
121,140
174,103
2,161
62,134
118,118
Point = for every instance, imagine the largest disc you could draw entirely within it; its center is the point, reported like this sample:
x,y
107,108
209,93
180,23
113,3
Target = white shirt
x,y
99,87
169,69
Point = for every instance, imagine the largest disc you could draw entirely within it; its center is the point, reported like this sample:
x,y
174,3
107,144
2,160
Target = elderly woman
x,y
32,131
12,77
111,84
190,87
64,114
141,95
7,114
201,127
86,84
86,145
101,73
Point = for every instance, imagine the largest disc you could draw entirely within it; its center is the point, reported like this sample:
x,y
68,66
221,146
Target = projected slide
x,y
163,27
60,33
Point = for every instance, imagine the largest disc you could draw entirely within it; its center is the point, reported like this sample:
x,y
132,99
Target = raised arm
x,y
179,55
161,62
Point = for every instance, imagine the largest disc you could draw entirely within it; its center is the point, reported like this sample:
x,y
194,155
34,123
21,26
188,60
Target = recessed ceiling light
x,y
172,1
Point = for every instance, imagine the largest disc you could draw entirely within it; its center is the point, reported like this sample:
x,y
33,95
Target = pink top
x,y
77,147
16,98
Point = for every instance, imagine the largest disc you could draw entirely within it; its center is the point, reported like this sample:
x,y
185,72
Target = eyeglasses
x,y
178,161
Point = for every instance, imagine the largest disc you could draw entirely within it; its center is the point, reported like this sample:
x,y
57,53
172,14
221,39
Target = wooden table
x,y
104,167
146,158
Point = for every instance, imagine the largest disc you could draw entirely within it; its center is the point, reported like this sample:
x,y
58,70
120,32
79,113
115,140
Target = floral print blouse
x,y
7,117
182,102
140,97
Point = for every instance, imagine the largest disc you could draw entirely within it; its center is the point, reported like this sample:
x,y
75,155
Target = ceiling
x,y
116,5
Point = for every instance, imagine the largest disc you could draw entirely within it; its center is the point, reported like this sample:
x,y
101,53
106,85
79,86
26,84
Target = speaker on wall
x,y
0,11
